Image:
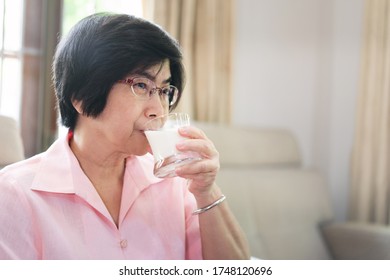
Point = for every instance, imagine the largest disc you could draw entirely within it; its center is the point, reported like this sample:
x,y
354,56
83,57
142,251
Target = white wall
x,y
297,67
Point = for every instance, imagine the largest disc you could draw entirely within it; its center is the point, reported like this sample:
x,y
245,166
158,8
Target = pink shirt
x,y
49,209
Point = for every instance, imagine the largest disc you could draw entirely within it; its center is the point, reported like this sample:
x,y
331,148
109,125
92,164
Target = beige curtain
x,y
370,189
204,29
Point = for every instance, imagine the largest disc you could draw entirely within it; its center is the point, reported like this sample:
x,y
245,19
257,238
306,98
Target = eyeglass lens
x,y
143,87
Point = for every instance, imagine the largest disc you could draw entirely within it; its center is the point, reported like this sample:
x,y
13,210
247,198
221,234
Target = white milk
x,y
163,142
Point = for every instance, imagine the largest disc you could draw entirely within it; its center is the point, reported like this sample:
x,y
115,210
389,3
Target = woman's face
x,y
121,124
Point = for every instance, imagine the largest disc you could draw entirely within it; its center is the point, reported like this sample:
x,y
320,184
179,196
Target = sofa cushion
x,y
244,146
280,210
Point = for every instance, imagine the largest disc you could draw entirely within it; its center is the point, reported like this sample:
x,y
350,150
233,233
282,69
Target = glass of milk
x,y
162,134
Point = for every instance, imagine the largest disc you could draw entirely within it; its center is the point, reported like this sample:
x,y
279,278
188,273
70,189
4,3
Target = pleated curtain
x,y
370,166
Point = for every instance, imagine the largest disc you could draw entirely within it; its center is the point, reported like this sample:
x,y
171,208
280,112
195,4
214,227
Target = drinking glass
x,y
162,134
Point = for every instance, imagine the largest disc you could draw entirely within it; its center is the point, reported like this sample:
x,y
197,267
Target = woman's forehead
x,y
159,71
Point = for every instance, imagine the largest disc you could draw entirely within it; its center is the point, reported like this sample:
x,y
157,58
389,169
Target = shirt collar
x,y
55,172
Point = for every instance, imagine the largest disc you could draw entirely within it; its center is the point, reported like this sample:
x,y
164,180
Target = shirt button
x,y
123,243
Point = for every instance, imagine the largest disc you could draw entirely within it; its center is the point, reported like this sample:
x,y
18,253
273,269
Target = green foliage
x,y
74,10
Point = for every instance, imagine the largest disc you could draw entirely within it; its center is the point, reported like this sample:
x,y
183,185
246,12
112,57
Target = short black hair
x,y
102,49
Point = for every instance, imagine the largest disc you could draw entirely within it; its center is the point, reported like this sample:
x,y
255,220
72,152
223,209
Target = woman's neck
x,y
104,168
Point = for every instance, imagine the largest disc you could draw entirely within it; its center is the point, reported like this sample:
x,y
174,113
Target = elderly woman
x,y
92,194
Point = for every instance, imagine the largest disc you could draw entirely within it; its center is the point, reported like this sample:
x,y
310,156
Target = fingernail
x,y
180,145
183,130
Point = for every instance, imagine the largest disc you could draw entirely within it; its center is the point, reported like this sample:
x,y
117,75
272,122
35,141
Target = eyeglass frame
x,y
130,81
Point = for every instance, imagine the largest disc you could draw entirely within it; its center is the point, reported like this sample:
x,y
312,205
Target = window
x,y
11,56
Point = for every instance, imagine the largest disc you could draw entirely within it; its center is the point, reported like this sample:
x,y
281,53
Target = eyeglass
x,y
145,88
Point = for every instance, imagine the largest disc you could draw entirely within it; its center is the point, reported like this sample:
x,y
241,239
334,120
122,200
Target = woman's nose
x,y
156,106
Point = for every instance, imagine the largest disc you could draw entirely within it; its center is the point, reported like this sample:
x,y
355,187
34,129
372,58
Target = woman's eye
x,y
141,86
166,91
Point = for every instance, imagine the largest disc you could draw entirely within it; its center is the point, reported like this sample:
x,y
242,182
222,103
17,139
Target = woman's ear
x,y
77,104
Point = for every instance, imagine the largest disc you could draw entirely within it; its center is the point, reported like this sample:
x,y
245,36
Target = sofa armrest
x,y
11,144
352,241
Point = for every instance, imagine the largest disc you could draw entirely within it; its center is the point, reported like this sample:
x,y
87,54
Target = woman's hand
x,y
202,173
